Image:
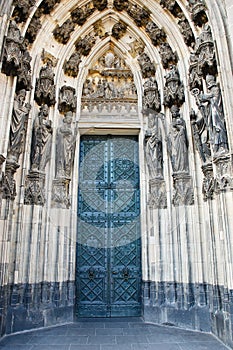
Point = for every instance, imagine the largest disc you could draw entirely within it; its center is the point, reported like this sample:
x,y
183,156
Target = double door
x,y
108,262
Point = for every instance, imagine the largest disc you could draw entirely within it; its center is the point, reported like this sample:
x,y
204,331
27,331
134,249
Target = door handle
x,y
125,272
91,274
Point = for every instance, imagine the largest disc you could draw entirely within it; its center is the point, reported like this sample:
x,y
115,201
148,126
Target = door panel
x,y
108,271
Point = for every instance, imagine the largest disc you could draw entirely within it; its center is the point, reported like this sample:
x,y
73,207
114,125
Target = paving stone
x,y
101,339
109,331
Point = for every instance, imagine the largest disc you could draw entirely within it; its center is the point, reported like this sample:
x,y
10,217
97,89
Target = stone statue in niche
x,y
24,71
186,31
211,106
71,67
174,89
65,144
41,140
18,126
154,149
45,88
201,136
151,98
177,142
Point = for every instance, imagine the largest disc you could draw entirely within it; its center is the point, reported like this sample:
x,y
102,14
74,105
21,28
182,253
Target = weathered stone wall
x,y
173,59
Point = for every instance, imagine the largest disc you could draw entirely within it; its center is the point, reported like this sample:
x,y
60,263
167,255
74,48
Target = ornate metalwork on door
x,y
108,272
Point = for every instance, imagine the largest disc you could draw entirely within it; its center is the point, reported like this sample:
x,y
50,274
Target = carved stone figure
x,y
174,89
208,184
41,140
198,12
80,15
121,5
71,67
24,72
157,194
186,31
65,143
45,88
201,136
151,98
136,48
118,30
168,4
62,34
35,188
67,99
34,27
182,190
84,46
154,154
214,116
100,4
156,34
168,57
48,5
18,126
13,50
178,143
8,186
22,9
140,15
147,67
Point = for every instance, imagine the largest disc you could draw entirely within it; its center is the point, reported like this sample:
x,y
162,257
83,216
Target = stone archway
x,y
159,77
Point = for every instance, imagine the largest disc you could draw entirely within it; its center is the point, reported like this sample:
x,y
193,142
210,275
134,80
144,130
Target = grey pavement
x,y
111,334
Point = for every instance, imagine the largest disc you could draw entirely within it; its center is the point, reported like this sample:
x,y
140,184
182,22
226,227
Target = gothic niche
x,y
154,159
67,99
177,144
45,88
109,85
39,157
174,89
65,146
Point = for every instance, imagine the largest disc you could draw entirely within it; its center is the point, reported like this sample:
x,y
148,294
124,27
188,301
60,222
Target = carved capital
x,y
208,184
35,188
60,193
157,194
182,190
224,178
8,181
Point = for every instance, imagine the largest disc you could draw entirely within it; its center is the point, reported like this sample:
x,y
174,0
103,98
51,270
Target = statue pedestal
x,y
35,188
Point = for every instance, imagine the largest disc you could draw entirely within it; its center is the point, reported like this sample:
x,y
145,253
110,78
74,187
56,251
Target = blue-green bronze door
x,y
108,262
